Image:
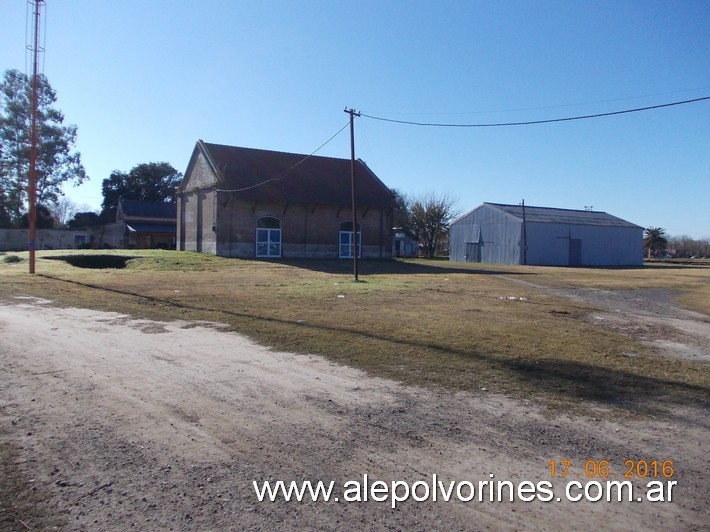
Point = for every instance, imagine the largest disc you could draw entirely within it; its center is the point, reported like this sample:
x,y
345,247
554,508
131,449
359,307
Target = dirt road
x,y
124,423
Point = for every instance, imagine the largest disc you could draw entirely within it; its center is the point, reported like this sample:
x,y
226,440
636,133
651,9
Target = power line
x,y
287,171
559,106
532,122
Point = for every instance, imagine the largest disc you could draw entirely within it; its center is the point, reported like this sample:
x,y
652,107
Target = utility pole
x,y
32,189
352,114
525,237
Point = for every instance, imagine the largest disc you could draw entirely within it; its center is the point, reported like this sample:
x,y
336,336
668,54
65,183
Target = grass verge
x,y
428,323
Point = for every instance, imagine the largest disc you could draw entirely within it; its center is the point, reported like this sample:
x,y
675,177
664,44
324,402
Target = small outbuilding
x,y
544,236
246,202
147,224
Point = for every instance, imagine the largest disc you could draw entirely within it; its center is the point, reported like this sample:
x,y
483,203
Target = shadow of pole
x,y
610,387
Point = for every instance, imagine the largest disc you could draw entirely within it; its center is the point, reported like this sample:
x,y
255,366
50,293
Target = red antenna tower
x,y
32,189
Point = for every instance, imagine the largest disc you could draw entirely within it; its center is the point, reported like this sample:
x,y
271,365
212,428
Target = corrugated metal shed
x,y
495,233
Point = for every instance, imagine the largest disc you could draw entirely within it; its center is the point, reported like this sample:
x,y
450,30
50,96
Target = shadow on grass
x,y
604,386
99,262
388,267
607,386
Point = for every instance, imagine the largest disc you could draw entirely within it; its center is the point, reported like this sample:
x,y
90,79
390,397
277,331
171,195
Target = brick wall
x,y
306,230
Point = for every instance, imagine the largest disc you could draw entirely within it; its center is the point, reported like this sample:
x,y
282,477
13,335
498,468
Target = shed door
x,y
575,252
473,252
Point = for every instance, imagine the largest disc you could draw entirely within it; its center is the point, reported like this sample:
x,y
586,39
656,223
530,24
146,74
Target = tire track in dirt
x,y
123,422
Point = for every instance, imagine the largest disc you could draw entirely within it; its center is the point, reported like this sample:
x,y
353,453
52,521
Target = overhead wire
x,y
559,106
533,122
287,171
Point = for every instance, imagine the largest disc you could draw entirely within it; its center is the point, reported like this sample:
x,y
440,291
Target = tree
x,y
57,163
684,247
145,182
654,241
84,219
429,217
400,212
44,219
63,209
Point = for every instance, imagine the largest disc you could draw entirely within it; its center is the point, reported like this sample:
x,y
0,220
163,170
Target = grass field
x,y
429,323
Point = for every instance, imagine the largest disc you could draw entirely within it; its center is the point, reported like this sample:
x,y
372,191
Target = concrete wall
x,y
19,239
104,236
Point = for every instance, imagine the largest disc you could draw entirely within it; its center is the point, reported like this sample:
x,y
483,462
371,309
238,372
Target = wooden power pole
x,y
32,188
352,114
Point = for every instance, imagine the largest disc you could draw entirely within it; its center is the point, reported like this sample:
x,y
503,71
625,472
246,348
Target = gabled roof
x,y
146,209
559,216
266,175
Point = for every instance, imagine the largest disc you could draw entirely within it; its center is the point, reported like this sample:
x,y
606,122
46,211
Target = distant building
x,y
511,234
403,245
147,224
244,202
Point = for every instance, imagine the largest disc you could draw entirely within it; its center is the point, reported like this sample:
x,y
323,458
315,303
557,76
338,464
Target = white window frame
x,y
268,238
345,249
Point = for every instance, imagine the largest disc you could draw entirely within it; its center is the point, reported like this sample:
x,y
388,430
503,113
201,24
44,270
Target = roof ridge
x,y
546,208
295,154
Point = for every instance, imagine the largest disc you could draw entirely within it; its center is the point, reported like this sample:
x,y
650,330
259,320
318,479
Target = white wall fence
x,y
19,239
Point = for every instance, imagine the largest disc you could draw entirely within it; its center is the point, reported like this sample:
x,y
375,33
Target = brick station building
x,y
244,202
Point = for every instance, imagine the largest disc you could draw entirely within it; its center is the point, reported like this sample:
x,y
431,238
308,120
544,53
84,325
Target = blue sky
x,y
143,81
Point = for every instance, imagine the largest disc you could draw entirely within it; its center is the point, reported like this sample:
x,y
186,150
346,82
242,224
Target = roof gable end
x,y
201,172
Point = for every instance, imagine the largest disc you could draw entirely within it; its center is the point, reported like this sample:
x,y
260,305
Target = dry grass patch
x,y
691,283
427,323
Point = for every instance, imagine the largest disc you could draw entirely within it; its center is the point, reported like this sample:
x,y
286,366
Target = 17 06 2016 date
x,y
633,468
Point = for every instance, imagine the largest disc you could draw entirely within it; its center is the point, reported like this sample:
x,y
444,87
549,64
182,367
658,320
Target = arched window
x,y
268,237
346,240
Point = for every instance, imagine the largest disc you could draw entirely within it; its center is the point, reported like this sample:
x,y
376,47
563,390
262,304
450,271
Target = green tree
x,y
57,162
429,217
145,182
83,219
654,241
400,212
44,219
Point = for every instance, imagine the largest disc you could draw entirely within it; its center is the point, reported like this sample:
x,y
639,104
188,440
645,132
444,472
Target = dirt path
x,y
125,423
648,314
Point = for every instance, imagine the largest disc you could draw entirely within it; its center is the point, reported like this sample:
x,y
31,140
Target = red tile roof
x,y
265,175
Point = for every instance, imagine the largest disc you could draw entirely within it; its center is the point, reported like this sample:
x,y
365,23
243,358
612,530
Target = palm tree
x,y
654,241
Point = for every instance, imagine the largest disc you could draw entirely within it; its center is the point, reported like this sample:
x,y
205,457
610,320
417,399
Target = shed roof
x,y
268,175
155,227
147,209
560,216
